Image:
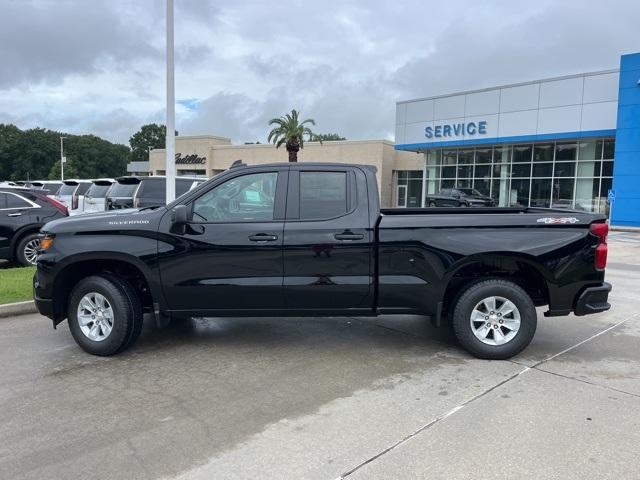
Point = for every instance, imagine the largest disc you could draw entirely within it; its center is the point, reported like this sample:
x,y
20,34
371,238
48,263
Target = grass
x,y
16,284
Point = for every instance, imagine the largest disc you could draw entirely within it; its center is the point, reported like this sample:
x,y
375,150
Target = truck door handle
x,y
14,214
263,237
347,235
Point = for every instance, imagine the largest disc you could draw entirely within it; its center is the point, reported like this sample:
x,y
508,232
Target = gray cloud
x,y
98,66
47,40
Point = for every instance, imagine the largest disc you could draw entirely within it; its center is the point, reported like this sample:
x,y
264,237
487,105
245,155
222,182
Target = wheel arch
x,y
523,270
124,266
19,235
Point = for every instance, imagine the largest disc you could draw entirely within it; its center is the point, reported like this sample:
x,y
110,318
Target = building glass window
x,y
543,152
521,153
521,170
541,192
565,169
409,188
542,169
608,150
565,174
484,155
465,156
566,152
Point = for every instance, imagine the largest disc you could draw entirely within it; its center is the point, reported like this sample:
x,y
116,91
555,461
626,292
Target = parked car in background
x,y
72,193
459,197
95,200
23,211
140,191
51,186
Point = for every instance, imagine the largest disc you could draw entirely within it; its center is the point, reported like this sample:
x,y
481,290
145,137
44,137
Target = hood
x,y
130,218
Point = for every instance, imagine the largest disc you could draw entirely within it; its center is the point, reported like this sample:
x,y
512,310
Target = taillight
x,y
600,230
58,205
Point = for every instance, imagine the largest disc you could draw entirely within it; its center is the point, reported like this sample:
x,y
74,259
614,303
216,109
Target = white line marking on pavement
x,y
459,407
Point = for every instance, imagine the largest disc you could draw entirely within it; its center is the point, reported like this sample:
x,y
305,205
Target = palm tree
x,y
290,132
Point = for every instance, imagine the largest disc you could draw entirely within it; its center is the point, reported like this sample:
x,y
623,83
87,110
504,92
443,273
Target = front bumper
x,y
593,300
44,305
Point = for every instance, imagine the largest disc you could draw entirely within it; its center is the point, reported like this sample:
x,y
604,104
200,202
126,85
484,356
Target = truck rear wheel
x,y
494,319
105,315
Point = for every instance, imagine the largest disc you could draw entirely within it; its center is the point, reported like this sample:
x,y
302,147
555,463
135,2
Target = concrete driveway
x,y
328,398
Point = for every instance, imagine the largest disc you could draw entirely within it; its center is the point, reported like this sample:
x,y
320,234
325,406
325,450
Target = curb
x,y
18,308
615,228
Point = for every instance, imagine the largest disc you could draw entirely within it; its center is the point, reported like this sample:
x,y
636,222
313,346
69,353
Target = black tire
x,y
463,204
21,255
432,204
127,314
466,303
134,299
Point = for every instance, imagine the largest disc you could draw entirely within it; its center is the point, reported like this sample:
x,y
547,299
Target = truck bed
x,y
451,210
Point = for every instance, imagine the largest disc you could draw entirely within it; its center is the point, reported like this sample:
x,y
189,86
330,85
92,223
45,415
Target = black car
x,y
310,239
459,197
23,211
145,191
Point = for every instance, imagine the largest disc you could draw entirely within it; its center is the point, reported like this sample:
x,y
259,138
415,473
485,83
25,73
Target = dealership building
x,y
566,142
208,155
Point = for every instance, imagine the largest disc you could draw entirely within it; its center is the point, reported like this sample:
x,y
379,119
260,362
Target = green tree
x,y
35,154
289,131
150,135
328,137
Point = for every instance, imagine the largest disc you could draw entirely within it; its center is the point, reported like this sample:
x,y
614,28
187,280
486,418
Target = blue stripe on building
x,y
626,167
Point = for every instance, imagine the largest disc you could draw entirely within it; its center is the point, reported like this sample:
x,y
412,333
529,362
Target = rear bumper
x,y
593,300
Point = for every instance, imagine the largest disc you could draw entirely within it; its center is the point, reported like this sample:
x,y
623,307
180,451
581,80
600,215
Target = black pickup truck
x,y
310,239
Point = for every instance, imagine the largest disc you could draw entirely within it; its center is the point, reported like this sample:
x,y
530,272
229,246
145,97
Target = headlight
x,y
46,241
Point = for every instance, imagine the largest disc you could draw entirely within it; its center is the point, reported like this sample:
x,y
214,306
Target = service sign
x,y
456,130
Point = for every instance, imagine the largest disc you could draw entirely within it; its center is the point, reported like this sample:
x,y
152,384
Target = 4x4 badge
x,y
552,220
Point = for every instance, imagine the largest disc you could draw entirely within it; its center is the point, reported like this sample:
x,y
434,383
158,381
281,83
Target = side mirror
x,y
180,215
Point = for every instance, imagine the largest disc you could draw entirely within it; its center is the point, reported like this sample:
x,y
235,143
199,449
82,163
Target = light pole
x,y
170,142
149,148
62,159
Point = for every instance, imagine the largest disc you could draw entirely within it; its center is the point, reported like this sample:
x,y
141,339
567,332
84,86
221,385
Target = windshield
x,y
123,189
470,192
67,189
98,191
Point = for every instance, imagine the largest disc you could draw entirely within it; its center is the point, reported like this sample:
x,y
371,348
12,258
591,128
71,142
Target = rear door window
x,y
98,190
83,188
67,189
123,190
152,189
323,195
15,201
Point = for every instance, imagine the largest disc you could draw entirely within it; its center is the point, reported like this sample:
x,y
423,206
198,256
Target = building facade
x,y
208,155
567,142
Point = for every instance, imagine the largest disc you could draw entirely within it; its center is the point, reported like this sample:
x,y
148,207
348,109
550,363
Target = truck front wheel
x,y
494,319
105,314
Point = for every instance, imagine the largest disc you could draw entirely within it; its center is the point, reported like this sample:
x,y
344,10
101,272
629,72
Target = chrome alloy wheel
x,y
495,320
31,250
95,317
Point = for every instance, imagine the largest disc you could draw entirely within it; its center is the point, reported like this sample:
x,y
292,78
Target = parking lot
x,y
328,398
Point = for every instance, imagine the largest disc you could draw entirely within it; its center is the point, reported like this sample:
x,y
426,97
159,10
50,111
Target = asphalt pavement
x,y
328,398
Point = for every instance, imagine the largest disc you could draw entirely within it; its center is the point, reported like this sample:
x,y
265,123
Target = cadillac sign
x,y
192,159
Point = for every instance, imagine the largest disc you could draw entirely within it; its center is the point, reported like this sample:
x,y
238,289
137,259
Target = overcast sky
x,y
96,66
